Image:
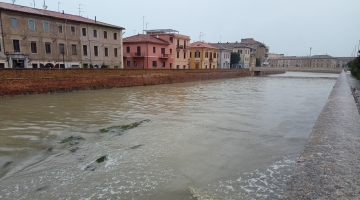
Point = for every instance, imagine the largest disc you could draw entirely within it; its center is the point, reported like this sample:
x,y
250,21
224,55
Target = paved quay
x,y
329,167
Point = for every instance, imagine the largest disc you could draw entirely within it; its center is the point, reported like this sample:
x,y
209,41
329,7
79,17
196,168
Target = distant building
x,y
179,46
317,61
343,61
37,38
224,56
203,56
144,51
261,51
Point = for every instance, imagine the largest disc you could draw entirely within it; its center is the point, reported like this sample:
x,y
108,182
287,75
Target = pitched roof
x,y
144,38
52,14
234,45
220,46
201,45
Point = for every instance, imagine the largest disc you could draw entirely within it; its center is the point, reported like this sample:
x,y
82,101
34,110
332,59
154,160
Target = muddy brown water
x,y
222,139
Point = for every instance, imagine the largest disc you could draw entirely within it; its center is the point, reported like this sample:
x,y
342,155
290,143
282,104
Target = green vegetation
x,y
123,127
355,67
101,159
235,58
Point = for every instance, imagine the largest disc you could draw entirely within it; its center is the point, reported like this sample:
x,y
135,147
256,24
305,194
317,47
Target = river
x,y
221,139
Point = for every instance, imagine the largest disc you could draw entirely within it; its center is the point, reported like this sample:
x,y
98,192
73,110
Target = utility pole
x,y
143,18
200,36
310,51
146,25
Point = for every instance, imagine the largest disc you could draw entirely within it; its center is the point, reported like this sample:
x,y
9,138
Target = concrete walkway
x,y
329,167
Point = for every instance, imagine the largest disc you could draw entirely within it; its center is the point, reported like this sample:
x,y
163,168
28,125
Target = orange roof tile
x,y
201,45
144,38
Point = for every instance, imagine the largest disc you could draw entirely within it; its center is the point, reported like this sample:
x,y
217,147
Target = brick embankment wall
x,y
34,81
329,167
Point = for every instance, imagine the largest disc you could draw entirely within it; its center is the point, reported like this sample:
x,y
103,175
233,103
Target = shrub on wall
x,y
355,67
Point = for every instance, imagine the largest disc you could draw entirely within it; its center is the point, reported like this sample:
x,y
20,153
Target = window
x,y
16,44
60,28
72,28
83,31
73,48
34,66
163,50
197,66
135,63
162,64
106,52
170,65
96,51
128,63
85,49
105,34
127,49
115,52
184,55
33,47
170,51
62,48
95,33
184,67
14,23
154,49
154,63
115,36
85,65
46,26
171,39
31,24
48,48
177,66
178,54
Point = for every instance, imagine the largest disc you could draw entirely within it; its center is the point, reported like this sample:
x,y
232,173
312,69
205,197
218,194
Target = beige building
x,y
36,38
261,51
244,51
317,61
179,46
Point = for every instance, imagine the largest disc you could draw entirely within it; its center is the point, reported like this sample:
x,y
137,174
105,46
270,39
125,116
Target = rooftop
x,y
201,45
161,31
144,38
52,14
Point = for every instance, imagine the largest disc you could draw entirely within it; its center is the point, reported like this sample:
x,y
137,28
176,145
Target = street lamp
x,y
63,54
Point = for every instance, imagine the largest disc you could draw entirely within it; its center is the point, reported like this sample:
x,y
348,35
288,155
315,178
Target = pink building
x,y
147,52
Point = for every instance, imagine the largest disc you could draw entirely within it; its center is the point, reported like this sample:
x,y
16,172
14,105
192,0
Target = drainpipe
x,y
87,33
3,40
66,45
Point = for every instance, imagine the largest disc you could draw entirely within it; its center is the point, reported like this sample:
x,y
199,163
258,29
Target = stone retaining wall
x,y
329,167
34,81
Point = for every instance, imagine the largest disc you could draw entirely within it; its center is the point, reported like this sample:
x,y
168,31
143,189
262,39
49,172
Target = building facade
x,y
145,51
261,51
224,57
179,46
245,52
35,38
317,61
203,56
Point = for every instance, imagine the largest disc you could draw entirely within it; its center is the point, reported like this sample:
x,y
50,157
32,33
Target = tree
x,y
355,67
258,62
235,58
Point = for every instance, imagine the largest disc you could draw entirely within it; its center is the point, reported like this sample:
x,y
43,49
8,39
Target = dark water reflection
x,y
223,139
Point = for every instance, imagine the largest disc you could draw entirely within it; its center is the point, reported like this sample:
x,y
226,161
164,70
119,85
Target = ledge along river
x,y
222,139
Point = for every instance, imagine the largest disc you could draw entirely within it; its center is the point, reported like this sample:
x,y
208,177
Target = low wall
x,y
329,167
34,81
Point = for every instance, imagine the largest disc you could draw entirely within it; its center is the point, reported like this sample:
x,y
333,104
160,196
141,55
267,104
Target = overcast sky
x,y
286,26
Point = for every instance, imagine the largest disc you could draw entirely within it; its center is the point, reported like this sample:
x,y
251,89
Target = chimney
x,y
236,42
63,12
95,19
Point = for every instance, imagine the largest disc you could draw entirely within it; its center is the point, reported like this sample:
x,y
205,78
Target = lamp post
x,y
63,54
355,52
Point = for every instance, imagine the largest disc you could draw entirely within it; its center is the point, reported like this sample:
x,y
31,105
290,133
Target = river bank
x,y
37,81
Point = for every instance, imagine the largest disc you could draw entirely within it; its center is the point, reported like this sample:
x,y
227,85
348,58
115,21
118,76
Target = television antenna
x,y
80,9
33,1
59,6
13,1
143,18
44,6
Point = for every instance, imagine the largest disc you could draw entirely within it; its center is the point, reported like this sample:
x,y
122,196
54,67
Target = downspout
x,y
3,40
66,44
87,33
147,55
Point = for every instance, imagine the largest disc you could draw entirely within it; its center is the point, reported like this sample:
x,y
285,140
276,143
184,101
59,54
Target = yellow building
x,y
203,56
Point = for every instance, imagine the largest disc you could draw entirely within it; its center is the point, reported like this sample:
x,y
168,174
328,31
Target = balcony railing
x,y
138,55
164,56
179,47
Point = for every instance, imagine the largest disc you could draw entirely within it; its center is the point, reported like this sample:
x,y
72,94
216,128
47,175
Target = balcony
x,y
164,56
178,47
138,55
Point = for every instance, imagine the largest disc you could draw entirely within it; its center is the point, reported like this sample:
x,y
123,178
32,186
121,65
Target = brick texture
x,y
35,81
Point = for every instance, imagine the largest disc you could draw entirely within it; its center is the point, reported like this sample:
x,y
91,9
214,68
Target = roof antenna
x,y
33,1
44,6
13,1
80,9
